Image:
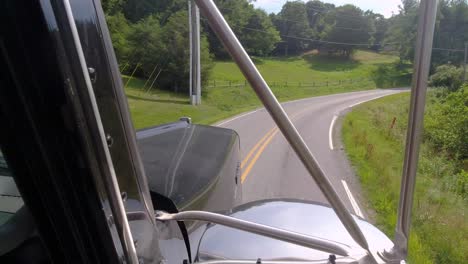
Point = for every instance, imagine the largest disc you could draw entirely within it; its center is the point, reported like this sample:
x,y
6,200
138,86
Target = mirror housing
x,y
196,166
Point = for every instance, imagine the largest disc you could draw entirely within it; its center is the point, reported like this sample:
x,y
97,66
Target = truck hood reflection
x,y
220,242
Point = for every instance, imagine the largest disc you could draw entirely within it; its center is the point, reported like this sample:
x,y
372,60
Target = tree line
x,y
151,37
451,31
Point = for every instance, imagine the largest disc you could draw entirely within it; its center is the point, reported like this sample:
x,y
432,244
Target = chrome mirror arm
x,y
264,93
259,229
422,61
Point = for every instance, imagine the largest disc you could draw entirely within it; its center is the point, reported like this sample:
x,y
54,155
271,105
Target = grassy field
x,y
157,107
439,227
307,68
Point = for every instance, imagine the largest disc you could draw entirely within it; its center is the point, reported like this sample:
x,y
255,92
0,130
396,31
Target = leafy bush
x,y
119,30
447,76
439,226
392,75
149,48
446,123
458,183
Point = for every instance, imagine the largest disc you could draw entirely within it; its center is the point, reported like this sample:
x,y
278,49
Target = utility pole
x,y
464,62
195,77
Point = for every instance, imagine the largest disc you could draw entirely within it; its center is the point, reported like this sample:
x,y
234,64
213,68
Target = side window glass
x,y
10,198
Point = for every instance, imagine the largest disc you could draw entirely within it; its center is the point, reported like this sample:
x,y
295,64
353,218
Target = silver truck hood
x,y
220,242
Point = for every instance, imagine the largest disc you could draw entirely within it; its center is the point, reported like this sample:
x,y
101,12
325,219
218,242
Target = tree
x,y
119,30
316,12
446,125
147,47
112,7
451,32
347,24
292,23
252,27
135,10
408,6
402,29
152,39
447,76
260,36
164,50
237,13
175,65
381,27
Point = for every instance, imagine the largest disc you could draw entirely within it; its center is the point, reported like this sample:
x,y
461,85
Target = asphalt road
x,y
271,169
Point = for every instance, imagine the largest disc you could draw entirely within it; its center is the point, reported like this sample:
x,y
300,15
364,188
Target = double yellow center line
x,y
261,145
258,149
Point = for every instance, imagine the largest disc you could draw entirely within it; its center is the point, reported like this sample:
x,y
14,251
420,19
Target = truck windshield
x,y
343,76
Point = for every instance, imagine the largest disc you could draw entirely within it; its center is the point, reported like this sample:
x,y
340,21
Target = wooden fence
x,y
230,84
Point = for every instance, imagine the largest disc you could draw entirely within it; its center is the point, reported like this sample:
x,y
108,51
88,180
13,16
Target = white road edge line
x,y
330,132
356,208
237,117
295,101
358,103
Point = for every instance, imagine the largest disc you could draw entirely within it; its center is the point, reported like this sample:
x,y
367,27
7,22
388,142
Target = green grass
x,y
439,231
307,68
218,103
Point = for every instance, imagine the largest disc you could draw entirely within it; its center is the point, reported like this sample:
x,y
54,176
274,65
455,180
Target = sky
x,y
384,7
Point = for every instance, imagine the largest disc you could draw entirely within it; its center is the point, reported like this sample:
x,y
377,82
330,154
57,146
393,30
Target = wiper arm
x,y
259,229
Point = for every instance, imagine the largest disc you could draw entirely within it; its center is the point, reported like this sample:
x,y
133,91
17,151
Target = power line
x,y
340,43
347,28
323,41
341,15
345,43
359,29
324,10
295,21
320,41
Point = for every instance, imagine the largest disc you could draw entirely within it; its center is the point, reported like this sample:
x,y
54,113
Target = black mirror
x,y
196,166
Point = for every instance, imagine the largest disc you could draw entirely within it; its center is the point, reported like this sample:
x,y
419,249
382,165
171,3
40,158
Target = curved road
x,y
271,169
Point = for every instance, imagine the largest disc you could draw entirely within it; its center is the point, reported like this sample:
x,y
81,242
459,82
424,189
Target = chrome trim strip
x,y
264,230
233,261
264,93
113,189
